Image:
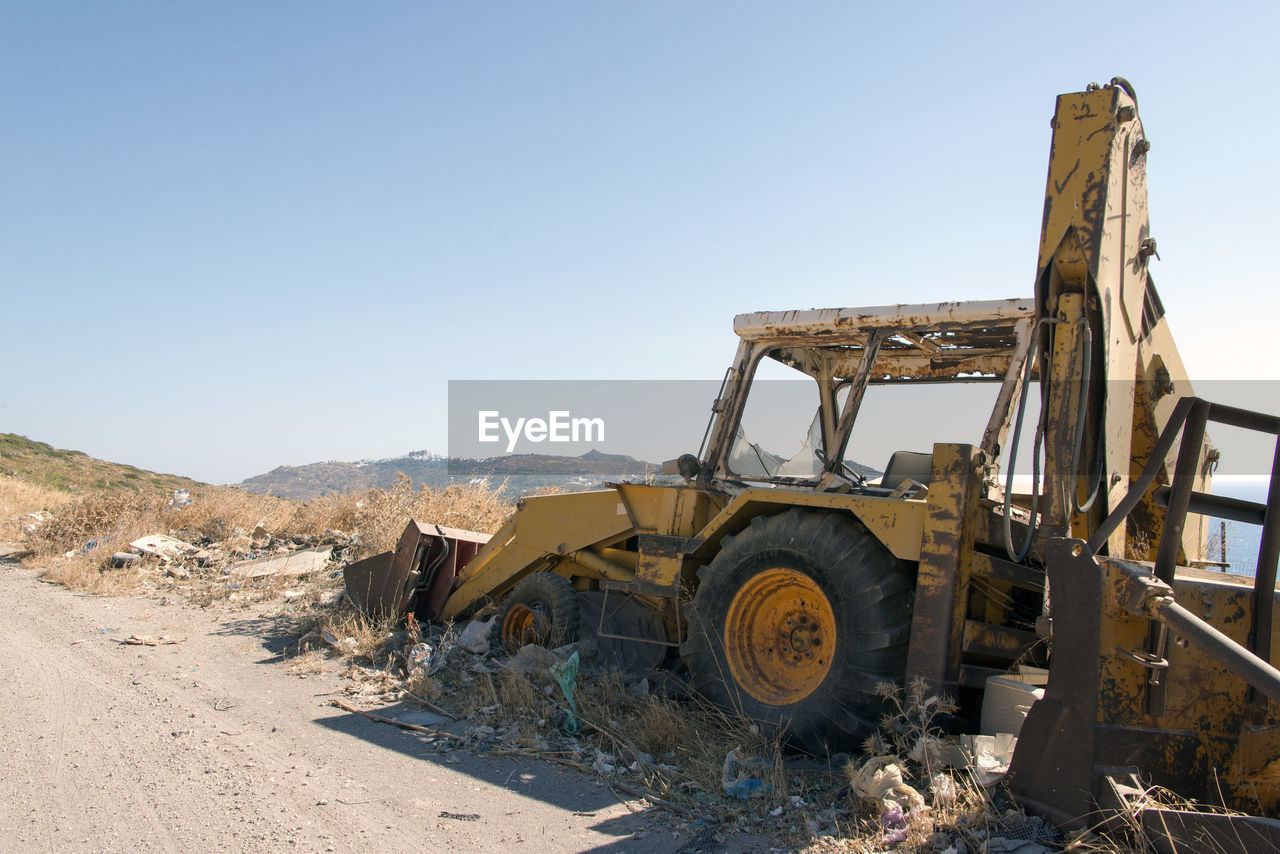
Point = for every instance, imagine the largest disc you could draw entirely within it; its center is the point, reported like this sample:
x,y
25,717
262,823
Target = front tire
x,y
541,609
795,623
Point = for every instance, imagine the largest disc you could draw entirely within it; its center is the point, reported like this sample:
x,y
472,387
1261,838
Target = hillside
x,y
514,474
43,465
526,471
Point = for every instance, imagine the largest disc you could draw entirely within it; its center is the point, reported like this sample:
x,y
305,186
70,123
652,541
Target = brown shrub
x,y
18,498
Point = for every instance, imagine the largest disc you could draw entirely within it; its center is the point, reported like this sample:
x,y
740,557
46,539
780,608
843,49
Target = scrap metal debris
x,y
164,547
148,640
435,733
290,564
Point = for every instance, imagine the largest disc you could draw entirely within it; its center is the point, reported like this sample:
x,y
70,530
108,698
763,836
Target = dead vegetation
x,y
73,538
18,499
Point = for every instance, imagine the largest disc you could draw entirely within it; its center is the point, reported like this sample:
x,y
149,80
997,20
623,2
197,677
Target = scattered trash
x,y
880,779
1005,704
425,657
604,763
944,789
741,777
987,756
181,498
87,547
33,521
460,816
896,824
1004,845
1026,829
164,547
565,673
475,637
347,646
119,560
531,658
148,640
291,564
586,650
421,717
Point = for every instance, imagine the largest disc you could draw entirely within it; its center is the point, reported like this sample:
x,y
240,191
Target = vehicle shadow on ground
x,y
541,780
279,635
533,778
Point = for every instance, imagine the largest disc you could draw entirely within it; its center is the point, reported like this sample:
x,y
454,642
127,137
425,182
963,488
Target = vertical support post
x,y
937,621
1264,582
1180,496
1171,540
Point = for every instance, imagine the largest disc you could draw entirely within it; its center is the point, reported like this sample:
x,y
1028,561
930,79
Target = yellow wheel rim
x,y
780,636
521,626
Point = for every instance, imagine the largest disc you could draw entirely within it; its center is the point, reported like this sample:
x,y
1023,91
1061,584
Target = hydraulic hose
x,y
1086,383
1018,555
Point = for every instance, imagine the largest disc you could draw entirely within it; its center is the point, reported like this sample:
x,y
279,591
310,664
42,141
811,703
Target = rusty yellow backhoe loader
x,y
789,588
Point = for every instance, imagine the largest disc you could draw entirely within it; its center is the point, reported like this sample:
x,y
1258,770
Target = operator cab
x,y
822,399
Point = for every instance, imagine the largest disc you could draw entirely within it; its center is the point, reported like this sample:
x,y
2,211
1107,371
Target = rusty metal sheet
x,y
367,585
773,324
420,571
448,551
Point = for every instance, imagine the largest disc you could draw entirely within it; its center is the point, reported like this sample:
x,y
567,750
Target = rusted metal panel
x,y
419,572
368,587
992,641
781,324
661,560
966,365
444,553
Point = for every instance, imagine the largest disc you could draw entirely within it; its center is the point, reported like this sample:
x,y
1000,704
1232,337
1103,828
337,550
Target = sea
x,y
1242,540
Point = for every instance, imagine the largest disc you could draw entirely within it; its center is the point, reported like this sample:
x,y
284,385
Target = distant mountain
x,y
525,471
43,465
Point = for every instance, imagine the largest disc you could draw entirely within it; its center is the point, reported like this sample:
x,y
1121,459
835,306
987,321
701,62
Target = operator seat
x,y
904,465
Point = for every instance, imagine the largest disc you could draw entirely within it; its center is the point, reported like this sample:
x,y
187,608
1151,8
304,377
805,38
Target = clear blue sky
x,y
238,235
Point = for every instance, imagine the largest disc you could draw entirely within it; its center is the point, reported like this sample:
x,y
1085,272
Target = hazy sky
x,y
238,235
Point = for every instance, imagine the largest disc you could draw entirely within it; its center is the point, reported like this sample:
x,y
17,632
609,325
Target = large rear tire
x,y
541,609
795,623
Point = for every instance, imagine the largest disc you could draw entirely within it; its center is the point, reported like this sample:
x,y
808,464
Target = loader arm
x,y
543,532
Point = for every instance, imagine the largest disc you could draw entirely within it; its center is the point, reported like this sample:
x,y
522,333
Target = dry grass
x,y
75,543
18,498
380,515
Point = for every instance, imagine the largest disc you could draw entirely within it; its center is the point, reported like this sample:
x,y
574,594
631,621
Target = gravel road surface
x,y
212,744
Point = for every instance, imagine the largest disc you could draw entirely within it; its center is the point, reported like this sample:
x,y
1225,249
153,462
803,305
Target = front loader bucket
x,y
419,574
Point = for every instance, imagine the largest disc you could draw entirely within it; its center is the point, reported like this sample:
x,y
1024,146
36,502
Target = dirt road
x,y
211,744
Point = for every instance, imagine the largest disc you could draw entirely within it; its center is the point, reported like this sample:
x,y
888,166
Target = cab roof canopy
x,y
932,341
